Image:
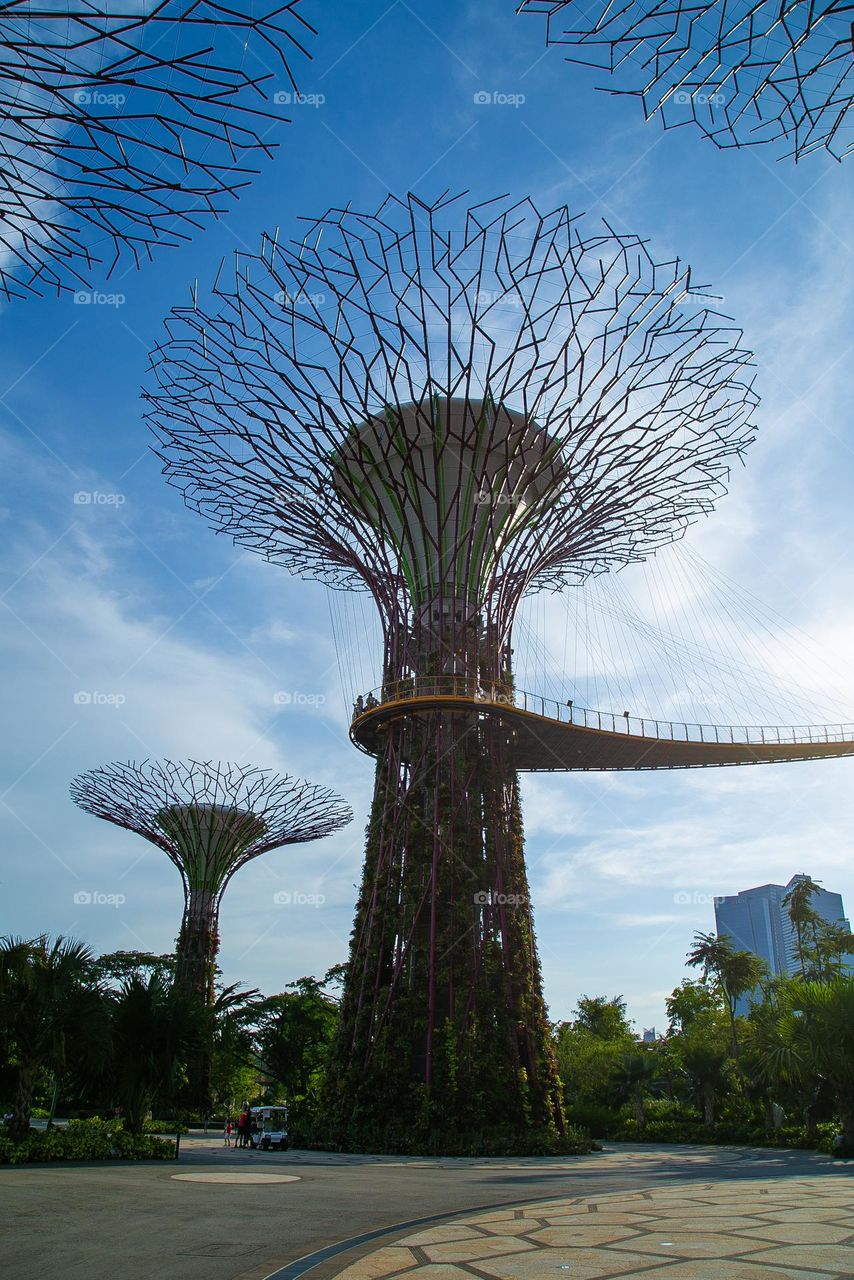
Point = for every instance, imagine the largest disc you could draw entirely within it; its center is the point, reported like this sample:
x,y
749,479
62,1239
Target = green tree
x,y
735,972
824,947
773,1074
634,1078
805,919
698,1044
296,1030
816,1041
706,1063
234,1074
605,1019
116,966
830,951
155,1030
588,1050
691,1003
52,1015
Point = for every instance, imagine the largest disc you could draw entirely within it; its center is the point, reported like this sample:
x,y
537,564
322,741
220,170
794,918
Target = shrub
x,y
171,1117
85,1140
394,1140
664,1131
670,1111
173,1126
594,1118
729,1133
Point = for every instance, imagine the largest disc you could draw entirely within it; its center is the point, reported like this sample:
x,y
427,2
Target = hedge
x,y
85,1140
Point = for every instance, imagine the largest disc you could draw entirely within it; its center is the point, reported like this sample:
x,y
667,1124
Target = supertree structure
x,y
124,126
449,408
210,819
745,71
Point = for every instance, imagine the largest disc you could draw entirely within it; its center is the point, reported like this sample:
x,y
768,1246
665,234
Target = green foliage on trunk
x,y
437,1054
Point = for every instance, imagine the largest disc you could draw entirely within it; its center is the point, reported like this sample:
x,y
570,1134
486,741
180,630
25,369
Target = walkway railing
x,y
586,718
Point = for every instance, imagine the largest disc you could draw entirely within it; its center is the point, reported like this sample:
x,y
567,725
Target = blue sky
x,y
188,640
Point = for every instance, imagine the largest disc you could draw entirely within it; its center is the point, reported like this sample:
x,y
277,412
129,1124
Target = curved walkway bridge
x,y
549,735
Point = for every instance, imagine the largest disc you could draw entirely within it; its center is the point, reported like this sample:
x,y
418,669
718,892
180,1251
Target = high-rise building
x,y
757,921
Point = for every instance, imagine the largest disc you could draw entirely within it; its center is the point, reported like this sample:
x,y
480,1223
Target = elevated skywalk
x,y
561,737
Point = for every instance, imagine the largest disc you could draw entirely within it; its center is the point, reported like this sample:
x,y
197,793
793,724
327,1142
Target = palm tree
x,y
633,1079
775,1072
736,972
816,1038
832,948
52,1014
235,1014
155,1030
706,1066
798,904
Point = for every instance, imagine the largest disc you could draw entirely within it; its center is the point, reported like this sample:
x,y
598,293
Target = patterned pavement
x,y
732,1230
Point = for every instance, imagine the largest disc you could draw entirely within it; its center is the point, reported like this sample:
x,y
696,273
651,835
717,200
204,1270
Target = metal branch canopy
x,y
509,405
451,408
744,71
126,126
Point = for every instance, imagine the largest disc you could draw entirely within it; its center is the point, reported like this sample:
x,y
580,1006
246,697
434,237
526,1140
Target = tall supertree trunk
x,y
444,1041
195,968
198,944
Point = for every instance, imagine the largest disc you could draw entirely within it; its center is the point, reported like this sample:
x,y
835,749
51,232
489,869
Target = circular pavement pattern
x,y
236,1178
763,1229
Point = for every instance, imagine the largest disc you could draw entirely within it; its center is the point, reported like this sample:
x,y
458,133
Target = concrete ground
x,y
691,1212
728,1230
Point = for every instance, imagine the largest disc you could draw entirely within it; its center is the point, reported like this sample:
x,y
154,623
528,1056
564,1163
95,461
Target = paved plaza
x,y
690,1213
717,1231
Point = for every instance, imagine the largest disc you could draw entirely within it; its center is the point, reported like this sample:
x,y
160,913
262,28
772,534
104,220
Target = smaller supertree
x,y
745,71
210,819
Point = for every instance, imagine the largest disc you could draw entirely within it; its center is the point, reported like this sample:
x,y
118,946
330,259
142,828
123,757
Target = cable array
x,y
679,641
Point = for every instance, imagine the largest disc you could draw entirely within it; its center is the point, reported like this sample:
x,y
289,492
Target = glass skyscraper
x,y
757,921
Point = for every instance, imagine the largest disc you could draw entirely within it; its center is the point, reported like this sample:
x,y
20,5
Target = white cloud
x,y
82,621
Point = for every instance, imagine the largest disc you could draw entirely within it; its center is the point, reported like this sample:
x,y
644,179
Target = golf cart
x,y
269,1130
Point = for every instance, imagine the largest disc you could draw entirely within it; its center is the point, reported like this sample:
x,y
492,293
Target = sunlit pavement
x,y
729,1230
693,1212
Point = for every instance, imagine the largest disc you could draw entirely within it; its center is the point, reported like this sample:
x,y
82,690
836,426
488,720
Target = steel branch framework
x,y
126,126
745,71
588,400
210,819
450,408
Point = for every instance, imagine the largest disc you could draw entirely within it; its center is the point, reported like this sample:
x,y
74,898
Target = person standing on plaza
x,y
243,1126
